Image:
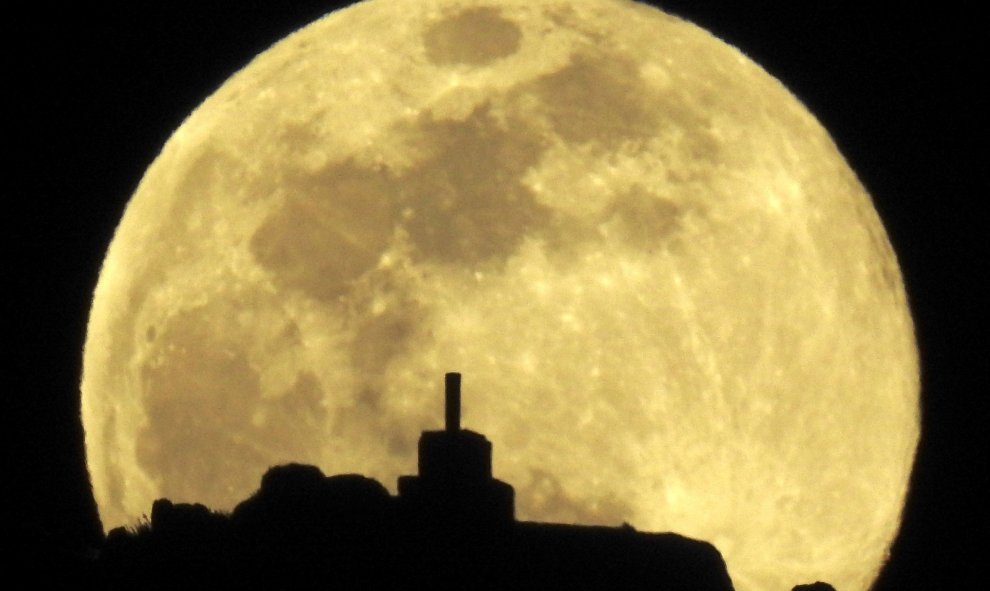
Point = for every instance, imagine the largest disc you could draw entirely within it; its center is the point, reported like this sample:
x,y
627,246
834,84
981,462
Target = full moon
x,y
673,302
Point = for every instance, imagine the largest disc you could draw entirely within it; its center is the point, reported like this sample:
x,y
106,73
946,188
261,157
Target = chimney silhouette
x,y
455,487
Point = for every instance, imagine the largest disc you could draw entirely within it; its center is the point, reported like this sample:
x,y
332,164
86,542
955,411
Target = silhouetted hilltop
x,y
452,524
298,504
306,530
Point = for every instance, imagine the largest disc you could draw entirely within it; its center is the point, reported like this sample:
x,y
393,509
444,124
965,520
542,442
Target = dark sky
x,y
97,91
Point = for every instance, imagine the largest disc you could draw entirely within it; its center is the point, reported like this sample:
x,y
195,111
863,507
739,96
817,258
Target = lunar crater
x,y
329,230
475,36
597,97
455,194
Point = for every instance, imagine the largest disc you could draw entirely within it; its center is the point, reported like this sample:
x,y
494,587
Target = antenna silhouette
x,y
452,393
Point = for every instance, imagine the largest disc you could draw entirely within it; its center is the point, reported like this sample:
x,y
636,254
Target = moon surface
x,y
673,302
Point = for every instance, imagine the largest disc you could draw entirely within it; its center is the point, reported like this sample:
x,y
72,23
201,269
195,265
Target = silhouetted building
x,y
455,488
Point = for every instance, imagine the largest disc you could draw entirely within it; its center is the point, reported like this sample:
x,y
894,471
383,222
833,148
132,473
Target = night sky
x,y
97,91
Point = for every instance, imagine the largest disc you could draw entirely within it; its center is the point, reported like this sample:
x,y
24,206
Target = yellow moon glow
x,y
673,302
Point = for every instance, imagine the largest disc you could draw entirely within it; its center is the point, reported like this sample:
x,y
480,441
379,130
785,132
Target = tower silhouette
x,y
455,488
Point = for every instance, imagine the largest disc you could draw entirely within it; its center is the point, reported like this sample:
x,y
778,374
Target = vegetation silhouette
x,y
453,524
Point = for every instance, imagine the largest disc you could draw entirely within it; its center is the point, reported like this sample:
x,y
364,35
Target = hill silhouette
x,y
453,524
